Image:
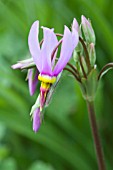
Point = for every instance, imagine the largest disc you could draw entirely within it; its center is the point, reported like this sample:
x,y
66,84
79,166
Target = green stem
x,y
97,143
107,66
86,53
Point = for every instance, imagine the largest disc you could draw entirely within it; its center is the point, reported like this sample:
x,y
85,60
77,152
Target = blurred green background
x,y
64,141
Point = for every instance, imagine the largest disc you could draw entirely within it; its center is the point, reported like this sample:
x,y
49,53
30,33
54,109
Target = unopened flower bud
x,y
17,66
84,64
75,56
24,64
88,30
92,54
75,25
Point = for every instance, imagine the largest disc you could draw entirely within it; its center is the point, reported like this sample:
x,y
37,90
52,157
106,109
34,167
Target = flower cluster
x,y
43,66
46,66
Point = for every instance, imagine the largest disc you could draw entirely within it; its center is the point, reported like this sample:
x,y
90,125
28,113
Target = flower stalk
x,y
81,64
105,69
73,73
95,134
86,53
47,65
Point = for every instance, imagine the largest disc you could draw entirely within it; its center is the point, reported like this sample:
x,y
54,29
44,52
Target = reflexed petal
x,y
70,40
49,44
75,38
36,120
34,46
32,80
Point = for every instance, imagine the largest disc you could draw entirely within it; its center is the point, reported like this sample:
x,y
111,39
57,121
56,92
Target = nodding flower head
x,y
44,55
42,65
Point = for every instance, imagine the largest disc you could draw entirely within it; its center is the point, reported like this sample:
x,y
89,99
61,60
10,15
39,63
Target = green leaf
x,y
40,165
8,164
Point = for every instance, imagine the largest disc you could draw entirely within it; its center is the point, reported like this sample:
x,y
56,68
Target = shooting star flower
x,y
44,57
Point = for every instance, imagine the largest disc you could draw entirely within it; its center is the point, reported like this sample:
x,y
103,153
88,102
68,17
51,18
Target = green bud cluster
x,y
84,57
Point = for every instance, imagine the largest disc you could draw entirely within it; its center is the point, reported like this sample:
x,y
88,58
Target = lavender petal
x,y
36,120
32,80
70,41
49,44
34,46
